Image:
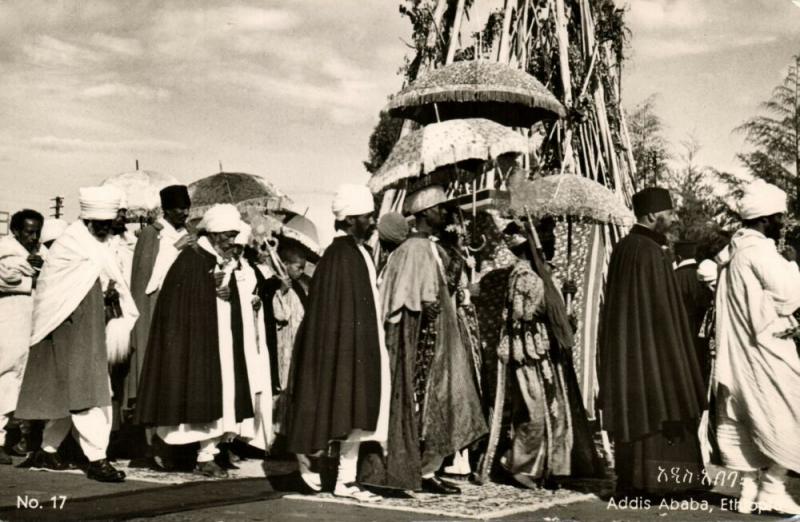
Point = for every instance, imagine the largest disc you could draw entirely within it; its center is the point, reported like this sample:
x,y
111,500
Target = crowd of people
x,y
397,355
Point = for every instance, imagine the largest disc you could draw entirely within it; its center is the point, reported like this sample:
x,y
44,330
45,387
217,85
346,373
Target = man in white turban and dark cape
x,y
757,372
80,289
194,385
339,380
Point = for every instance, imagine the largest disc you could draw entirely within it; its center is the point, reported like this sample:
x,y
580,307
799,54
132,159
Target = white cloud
x,y
666,14
120,90
117,45
46,50
658,47
57,144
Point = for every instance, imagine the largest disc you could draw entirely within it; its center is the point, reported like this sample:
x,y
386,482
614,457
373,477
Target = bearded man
x,y
757,374
435,410
18,252
66,380
156,249
651,386
339,380
194,385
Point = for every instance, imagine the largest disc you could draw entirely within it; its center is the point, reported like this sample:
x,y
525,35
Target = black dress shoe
x,y
439,487
225,459
210,469
5,458
43,461
102,471
22,447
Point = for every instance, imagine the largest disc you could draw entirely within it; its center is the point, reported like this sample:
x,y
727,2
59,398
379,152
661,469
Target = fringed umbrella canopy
x,y
141,188
246,191
477,88
568,195
439,144
303,231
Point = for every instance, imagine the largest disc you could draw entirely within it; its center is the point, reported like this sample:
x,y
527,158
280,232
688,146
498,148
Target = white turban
x,y
99,203
352,200
221,218
244,234
707,271
761,199
52,228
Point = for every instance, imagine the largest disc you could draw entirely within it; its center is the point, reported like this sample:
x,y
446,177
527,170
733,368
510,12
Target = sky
x,y
291,89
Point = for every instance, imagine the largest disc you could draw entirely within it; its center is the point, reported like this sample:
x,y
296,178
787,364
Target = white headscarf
x,y
761,199
707,271
99,203
221,218
352,200
244,234
52,228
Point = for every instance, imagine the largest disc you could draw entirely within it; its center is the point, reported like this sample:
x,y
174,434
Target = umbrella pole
x,y
569,261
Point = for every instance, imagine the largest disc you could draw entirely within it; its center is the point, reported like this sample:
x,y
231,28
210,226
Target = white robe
x,y
16,318
167,254
757,375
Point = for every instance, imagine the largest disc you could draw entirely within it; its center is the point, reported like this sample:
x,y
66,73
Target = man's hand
x,y
224,293
189,240
286,284
431,310
36,261
569,288
256,304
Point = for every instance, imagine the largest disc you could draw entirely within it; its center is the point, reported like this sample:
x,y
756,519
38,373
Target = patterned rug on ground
x,y
475,502
249,468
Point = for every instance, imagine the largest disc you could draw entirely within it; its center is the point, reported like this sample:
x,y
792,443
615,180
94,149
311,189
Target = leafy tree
x,y
775,137
702,214
382,140
650,148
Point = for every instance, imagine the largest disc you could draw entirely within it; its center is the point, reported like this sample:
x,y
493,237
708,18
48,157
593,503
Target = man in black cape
x,y
194,385
697,298
338,386
651,387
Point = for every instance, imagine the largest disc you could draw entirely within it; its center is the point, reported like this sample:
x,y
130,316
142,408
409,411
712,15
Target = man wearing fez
x,y
757,373
435,410
194,385
339,380
156,249
66,380
651,386
696,298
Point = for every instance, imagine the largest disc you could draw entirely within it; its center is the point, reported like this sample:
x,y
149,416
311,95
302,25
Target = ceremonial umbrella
x,y
568,195
141,188
439,144
476,88
246,191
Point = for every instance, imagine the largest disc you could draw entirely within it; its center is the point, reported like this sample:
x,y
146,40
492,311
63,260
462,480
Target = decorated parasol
x,y
141,188
477,88
246,191
439,144
301,230
568,195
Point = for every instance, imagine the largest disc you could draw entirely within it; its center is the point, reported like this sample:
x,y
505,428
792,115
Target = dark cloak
x,y
651,387
181,379
697,298
144,258
334,383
